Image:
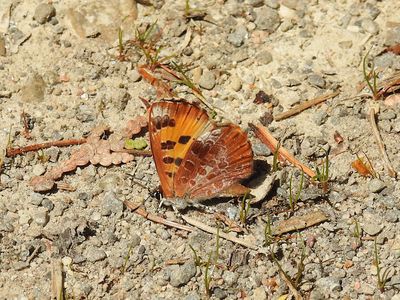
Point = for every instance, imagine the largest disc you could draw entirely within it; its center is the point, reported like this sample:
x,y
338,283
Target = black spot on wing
x,y
168,160
184,139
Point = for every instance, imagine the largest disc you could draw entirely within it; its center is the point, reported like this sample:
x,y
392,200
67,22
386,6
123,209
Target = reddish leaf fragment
x,y
361,167
338,138
394,49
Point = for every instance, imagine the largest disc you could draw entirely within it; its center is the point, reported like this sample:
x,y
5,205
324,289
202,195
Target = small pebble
x,y
370,26
134,75
329,284
371,224
238,37
267,19
219,293
44,12
272,3
38,170
320,117
235,83
188,51
316,80
264,57
66,261
259,293
93,254
111,204
376,185
41,217
180,275
36,199
207,80
96,216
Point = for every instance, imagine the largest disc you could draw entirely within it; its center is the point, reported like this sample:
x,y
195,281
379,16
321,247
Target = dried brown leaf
x,y
394,49
300,222
392,100
95,151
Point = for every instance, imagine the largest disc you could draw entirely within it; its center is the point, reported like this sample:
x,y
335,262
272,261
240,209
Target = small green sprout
x,y
300,265
128,255
207,277
294,199
367,76
244,209
275,161
356,229
212,260
322,176
382,277
197,259
268,237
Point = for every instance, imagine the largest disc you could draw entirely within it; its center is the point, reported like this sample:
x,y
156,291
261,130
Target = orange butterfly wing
x,y
194,158
215,163
173,126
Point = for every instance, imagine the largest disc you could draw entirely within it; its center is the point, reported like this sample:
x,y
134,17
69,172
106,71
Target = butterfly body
x,y
195,158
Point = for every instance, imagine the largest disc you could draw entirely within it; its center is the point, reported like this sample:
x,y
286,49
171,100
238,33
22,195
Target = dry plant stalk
x,y
57,282
300,222
215,231
374,108
266,137
303,106
295,293
11,152
137,209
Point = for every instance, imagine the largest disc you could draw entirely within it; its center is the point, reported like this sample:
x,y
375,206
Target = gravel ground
x,y
60,67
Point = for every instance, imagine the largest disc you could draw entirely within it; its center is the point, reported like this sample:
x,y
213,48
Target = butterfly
x,y
195,158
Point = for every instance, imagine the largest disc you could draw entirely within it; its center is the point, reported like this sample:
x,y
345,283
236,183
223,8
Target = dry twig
x,y
295,293
303,106
374,108
215,231
142,212
57,282
11,152
266,137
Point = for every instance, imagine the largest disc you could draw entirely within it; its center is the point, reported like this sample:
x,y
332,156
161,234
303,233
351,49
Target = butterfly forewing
x,y
215,162
173,127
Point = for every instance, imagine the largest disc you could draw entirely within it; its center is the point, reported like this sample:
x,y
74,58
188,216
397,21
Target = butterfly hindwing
x,y
173,127
215,162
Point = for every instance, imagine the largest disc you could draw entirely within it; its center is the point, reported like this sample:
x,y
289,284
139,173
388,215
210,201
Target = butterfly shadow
x,y
262,182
